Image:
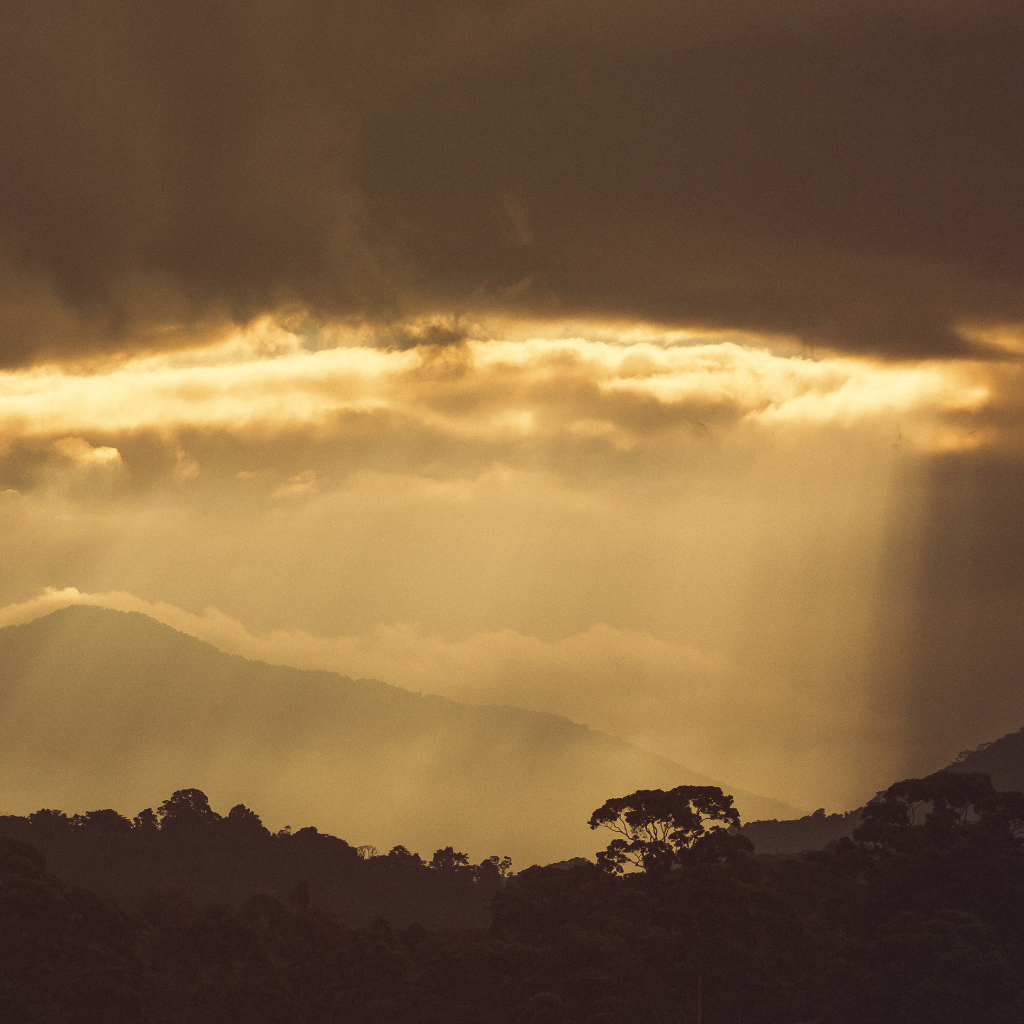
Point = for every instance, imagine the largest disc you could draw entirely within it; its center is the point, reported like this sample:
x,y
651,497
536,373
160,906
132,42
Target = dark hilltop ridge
x,y
1002,760
187,849
107,708
918,918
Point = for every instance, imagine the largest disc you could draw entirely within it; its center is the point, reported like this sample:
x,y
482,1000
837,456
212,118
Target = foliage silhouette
x,y
917,919
187,846
658,829
187,810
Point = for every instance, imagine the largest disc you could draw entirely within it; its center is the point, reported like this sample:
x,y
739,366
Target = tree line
x,y
918,918
185,845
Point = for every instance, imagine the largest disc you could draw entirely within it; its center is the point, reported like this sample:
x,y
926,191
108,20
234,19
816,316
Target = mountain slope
x,y
105,708
1003,760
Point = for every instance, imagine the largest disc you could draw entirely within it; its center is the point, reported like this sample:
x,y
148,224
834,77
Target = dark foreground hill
x,y
106,708
186,848
909,922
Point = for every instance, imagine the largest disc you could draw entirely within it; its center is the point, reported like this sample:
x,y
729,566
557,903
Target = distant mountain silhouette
x,y
1002,760
811,832
100,708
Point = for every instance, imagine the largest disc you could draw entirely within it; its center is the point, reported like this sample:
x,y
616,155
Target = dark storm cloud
x,y
846,172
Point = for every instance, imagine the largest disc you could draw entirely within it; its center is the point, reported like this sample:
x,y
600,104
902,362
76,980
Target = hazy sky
x,y
657,364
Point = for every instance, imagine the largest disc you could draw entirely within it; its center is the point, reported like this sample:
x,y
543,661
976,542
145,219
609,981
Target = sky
x,y
654,364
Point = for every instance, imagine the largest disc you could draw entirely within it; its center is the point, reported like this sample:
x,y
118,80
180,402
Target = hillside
x,y
217,920
1002,760
106,708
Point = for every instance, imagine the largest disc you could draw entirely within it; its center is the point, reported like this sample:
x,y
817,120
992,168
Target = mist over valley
x,y
107,708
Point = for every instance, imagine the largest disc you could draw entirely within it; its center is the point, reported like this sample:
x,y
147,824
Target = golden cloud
x,y
81,452
620,389
690,540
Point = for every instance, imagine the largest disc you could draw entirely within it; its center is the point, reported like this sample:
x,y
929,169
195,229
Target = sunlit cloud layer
x,y
688,540
491,390
82,453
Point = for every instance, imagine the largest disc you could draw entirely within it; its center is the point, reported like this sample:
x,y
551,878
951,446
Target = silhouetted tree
x,y
448,860
503,865
939,807
657,828
50,823
146,821
916,921
187,809
103,823
243,822
401,853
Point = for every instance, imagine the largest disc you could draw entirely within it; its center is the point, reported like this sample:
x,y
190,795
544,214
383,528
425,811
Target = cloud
x,y
846,174
492,396
185,467
673,535
81,452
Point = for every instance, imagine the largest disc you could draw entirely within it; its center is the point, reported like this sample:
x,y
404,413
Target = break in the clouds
x,y
763,565
683,539
845,174
678,539
493,394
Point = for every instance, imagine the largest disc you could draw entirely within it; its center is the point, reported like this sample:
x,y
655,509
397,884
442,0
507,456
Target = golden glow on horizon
x,y
492,389
461,444
675,537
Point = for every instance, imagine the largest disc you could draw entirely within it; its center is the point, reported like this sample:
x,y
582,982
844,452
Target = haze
x,y
656,365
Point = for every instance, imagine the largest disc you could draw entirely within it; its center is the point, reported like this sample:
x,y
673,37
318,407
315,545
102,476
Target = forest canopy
x,y
192,916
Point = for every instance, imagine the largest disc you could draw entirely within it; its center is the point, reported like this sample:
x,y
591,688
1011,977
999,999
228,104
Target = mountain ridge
x,y
1002,760
130,708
